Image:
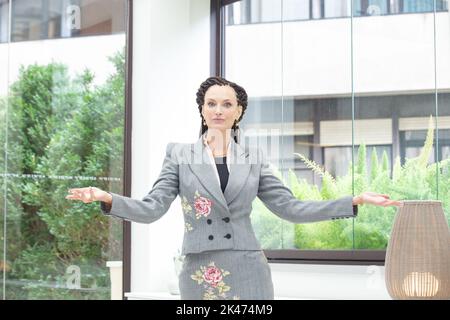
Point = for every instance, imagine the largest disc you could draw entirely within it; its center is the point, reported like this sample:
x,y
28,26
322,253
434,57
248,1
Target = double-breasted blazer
x,y
216,220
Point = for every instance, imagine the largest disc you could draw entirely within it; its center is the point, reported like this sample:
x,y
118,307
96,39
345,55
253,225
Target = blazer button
x,y
209,221
211,237
228,236
226,219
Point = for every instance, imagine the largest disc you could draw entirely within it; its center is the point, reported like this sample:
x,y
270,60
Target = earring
x,y
204,122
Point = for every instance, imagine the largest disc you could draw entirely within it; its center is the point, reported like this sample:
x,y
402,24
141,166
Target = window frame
x,y
126,225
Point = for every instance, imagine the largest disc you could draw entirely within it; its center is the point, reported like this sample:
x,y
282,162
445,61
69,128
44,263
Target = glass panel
x,y
287,114
393,93
5,266
48,19
65,130
387,136
443,106
315,76
248,48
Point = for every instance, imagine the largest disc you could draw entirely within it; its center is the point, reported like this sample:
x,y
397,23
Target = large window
x,y
350,104
62,99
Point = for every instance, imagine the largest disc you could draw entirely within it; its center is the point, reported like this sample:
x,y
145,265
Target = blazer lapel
x,y
200,165
239,171
199,162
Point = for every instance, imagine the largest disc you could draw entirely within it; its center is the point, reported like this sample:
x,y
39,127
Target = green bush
x,y
61,128
416,179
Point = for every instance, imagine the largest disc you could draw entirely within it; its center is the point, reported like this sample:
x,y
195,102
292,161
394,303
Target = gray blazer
x,y
216,220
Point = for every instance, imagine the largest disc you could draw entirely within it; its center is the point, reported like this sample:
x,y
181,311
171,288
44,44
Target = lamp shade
x,y
417,262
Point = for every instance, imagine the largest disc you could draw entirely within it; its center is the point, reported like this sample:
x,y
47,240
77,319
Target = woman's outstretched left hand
x,y
376,199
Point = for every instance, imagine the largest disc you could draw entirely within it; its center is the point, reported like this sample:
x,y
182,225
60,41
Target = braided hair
x,y
241,97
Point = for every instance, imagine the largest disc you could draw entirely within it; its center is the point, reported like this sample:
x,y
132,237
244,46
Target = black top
x,y
222,169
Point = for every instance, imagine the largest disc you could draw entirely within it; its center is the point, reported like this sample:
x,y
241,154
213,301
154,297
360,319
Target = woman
x,y
217,180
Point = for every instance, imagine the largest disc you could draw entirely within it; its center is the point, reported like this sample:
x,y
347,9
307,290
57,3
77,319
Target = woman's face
x,y
221,109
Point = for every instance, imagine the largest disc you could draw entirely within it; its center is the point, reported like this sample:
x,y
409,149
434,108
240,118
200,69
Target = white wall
x,y
170,60
306,281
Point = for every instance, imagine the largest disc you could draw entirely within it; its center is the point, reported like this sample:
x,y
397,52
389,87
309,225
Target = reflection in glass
x,y
49,19
382,140
423,5
63,128
263,11
287,124
396,92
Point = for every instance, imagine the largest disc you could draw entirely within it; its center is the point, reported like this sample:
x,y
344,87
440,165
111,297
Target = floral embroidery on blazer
x,y
212,279
202,207
185,206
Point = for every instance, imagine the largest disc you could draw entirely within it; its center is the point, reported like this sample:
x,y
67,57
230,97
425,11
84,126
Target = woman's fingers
x,y
382,200
84,194
392,203
377,194
74,195
397,203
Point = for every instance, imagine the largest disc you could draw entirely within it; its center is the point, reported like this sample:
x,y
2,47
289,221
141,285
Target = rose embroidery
x,y
212,275
212,279
202,206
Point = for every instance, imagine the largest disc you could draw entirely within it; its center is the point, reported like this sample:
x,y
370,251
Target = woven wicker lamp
x,y
418,253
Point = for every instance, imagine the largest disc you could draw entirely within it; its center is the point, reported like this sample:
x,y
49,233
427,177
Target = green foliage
x,y
374,167
385,163
416,179
361,165
61,128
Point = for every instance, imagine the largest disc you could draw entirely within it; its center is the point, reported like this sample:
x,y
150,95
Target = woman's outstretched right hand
x,y
89,194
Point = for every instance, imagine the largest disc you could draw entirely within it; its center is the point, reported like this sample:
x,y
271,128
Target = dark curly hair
x,y
241,97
